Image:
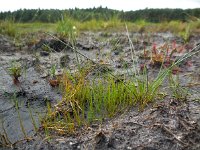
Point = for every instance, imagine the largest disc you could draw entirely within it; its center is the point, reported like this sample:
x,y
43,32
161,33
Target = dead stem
x,y
162,126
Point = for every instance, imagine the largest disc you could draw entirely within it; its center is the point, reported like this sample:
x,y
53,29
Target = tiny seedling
x,y
54,80
53,71
15,71
179,92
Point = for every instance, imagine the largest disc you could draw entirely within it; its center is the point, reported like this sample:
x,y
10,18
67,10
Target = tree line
x,y
54,15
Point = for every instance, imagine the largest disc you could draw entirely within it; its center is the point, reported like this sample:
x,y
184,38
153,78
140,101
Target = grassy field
x,y
183,29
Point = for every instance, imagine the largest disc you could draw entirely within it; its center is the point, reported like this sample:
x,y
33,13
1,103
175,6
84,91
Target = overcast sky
x,y
125,5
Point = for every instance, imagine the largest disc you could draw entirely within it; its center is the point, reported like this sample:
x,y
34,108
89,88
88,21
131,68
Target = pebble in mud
x,y
101,141
44,53
6,45
194,108
64,60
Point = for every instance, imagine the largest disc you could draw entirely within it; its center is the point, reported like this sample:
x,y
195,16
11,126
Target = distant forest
x,y
54,15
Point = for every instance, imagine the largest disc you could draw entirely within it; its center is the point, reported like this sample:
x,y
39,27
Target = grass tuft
x,y
87,100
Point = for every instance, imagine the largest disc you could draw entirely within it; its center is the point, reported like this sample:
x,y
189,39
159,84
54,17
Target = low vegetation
x,y
64,27
179,22
8,28
89,100
89,97
15,71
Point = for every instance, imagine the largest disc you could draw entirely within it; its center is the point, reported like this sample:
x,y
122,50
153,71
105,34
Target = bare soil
x,y
167,124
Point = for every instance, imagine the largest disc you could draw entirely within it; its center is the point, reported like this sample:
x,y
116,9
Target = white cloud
x,y
114,4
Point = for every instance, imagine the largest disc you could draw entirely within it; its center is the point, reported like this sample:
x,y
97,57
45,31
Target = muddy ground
x,y
166,124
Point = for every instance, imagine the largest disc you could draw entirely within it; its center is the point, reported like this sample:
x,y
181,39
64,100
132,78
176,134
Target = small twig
x,y
132,50
25,139
42,141
184,125
5,136
3,111
171,133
